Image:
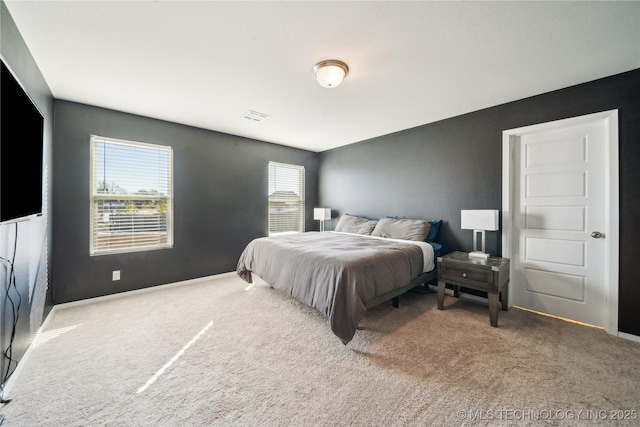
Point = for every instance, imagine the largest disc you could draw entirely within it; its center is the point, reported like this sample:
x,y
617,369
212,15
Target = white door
x,y
560,220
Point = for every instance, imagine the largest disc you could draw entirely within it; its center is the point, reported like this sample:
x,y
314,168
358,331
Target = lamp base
x,y
477,254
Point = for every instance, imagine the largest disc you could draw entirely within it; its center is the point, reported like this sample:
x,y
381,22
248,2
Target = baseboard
x,y
143,290
12,379
629,337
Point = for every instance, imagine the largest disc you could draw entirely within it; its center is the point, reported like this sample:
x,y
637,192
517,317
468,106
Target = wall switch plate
x,y
115,275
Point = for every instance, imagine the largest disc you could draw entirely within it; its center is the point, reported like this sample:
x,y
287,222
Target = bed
x,y
342,273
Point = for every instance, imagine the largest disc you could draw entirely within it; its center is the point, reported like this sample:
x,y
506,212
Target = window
x,y
131,196
286,198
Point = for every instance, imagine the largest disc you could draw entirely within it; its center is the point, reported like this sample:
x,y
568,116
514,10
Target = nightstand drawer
x,y
481,278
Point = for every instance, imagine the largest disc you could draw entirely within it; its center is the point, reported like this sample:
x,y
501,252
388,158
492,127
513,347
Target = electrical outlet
x,y
115,275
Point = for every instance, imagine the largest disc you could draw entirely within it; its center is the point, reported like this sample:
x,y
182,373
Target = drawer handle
x,y
464,274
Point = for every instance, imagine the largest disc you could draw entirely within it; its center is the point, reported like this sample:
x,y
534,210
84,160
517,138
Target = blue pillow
x,y
433,231
437,248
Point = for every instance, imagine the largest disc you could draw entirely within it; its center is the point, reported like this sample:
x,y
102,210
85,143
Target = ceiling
x,y
207,63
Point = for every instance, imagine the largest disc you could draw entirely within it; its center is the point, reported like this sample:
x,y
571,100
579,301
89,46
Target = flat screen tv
x,y
21,146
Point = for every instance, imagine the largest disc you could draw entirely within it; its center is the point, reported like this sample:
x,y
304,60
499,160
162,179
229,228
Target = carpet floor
x,y
219,352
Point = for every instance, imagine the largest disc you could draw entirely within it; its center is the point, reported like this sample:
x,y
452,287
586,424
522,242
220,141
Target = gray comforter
x,y
336,273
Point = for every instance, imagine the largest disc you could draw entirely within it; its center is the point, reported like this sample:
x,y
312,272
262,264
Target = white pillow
x,y
356,224
401,228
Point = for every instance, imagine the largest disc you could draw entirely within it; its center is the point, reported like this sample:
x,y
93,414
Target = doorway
x,y
560,218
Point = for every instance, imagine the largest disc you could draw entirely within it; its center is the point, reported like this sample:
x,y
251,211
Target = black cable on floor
x,y
15,311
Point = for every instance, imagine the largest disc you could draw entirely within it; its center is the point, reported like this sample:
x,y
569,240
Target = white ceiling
x,y
206,63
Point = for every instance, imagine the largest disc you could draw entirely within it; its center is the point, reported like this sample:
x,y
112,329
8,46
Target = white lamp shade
x,y
484,219
330,76
321,214
330,73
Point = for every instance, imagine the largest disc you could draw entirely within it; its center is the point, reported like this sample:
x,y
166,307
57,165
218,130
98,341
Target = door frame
x,y
510,138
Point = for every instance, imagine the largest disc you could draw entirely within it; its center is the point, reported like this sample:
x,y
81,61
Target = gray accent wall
x,y
436,170
25,244
220,201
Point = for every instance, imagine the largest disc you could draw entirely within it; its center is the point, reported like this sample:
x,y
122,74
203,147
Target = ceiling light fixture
x,y
330,73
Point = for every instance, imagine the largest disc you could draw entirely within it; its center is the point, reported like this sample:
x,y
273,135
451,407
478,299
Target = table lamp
x,y
479,221
321,214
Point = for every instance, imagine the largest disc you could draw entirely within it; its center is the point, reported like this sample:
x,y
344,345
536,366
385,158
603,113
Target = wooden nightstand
x,y
490,275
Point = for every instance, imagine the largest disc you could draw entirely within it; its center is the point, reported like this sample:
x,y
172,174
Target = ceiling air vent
x,y
255,116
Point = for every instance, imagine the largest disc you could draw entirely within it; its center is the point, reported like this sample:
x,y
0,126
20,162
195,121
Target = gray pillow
x,y
400,228
355,224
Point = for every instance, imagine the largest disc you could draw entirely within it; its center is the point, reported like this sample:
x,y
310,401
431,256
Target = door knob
x,y
597,235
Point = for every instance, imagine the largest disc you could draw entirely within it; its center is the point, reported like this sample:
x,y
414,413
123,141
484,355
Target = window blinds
x,y
131,196
286,198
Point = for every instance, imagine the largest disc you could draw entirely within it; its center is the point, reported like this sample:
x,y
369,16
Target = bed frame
x,y
427,277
